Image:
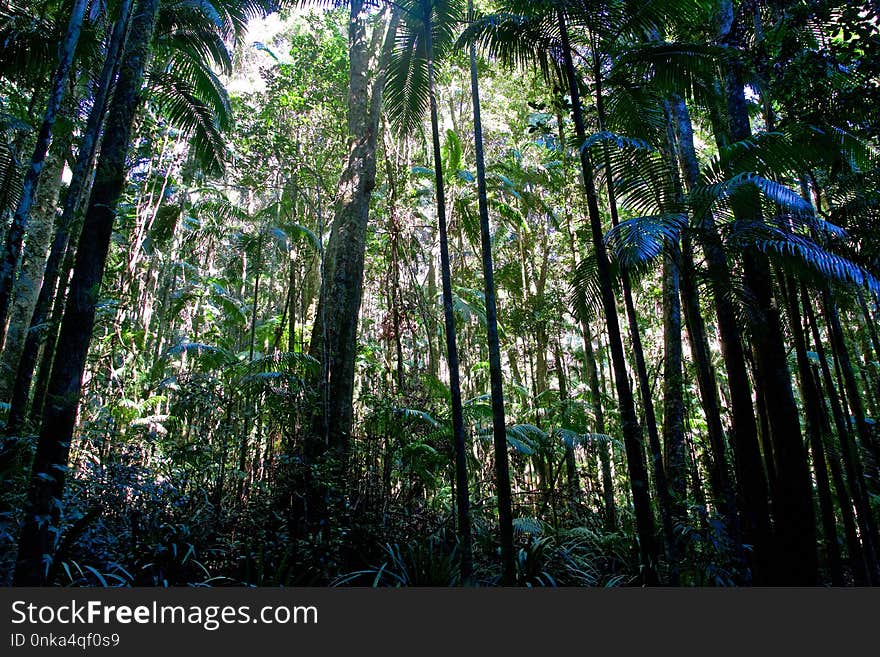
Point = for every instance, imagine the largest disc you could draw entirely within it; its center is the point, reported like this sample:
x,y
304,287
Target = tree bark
x,y
499,423
795,523
632,433
15,235
26,288
67,227
42,523
334,336
751,481
849,453
810,396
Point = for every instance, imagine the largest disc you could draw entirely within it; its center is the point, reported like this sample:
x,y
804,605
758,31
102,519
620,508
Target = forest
x,y
532,293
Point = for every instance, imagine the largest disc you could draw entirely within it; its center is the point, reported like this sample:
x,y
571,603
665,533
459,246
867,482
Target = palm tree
x,y
27,358
40,530
183,88
751,483
425,36
792,490
747,164
539,33
499,426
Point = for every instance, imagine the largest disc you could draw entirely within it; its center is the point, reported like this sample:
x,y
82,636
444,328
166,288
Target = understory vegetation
x,y
439,293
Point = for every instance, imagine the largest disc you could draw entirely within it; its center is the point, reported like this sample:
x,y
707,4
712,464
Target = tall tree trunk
x,y
499,423
15,235
26,288
751,481
655,449
44,507
838,344
571,473
722,487
334,336
796,560
857,560
812,406
849,453
67,228
673,400
632,433
458,432
673,377
41,383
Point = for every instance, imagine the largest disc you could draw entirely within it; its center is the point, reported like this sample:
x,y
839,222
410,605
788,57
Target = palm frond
x,y
10,179
585,291
640,240
574,439
27,44
406,82
516,40
180,102
798,251
767,154
199,44
209,356
706,197
687,69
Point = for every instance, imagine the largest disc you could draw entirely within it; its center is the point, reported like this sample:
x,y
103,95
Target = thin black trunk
x,y
66,229
499,426
458,433
722,487
796,560
51,338
751,481
604,447
812,406
851,461
838,344
858,564
44,507
655,449
632,433
572,479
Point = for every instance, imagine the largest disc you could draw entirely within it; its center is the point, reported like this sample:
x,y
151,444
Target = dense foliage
x,y
299,311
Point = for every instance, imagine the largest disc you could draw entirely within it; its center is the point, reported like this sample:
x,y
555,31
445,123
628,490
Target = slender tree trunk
x,y
15,235
572,479
458,432
851,461
751,481
722,487
810,396
499,424
655,449
27,286
51,339
870,325
673,376
838,344
44,507
673,401
66,229
632,433
858,563
795,523
604,448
